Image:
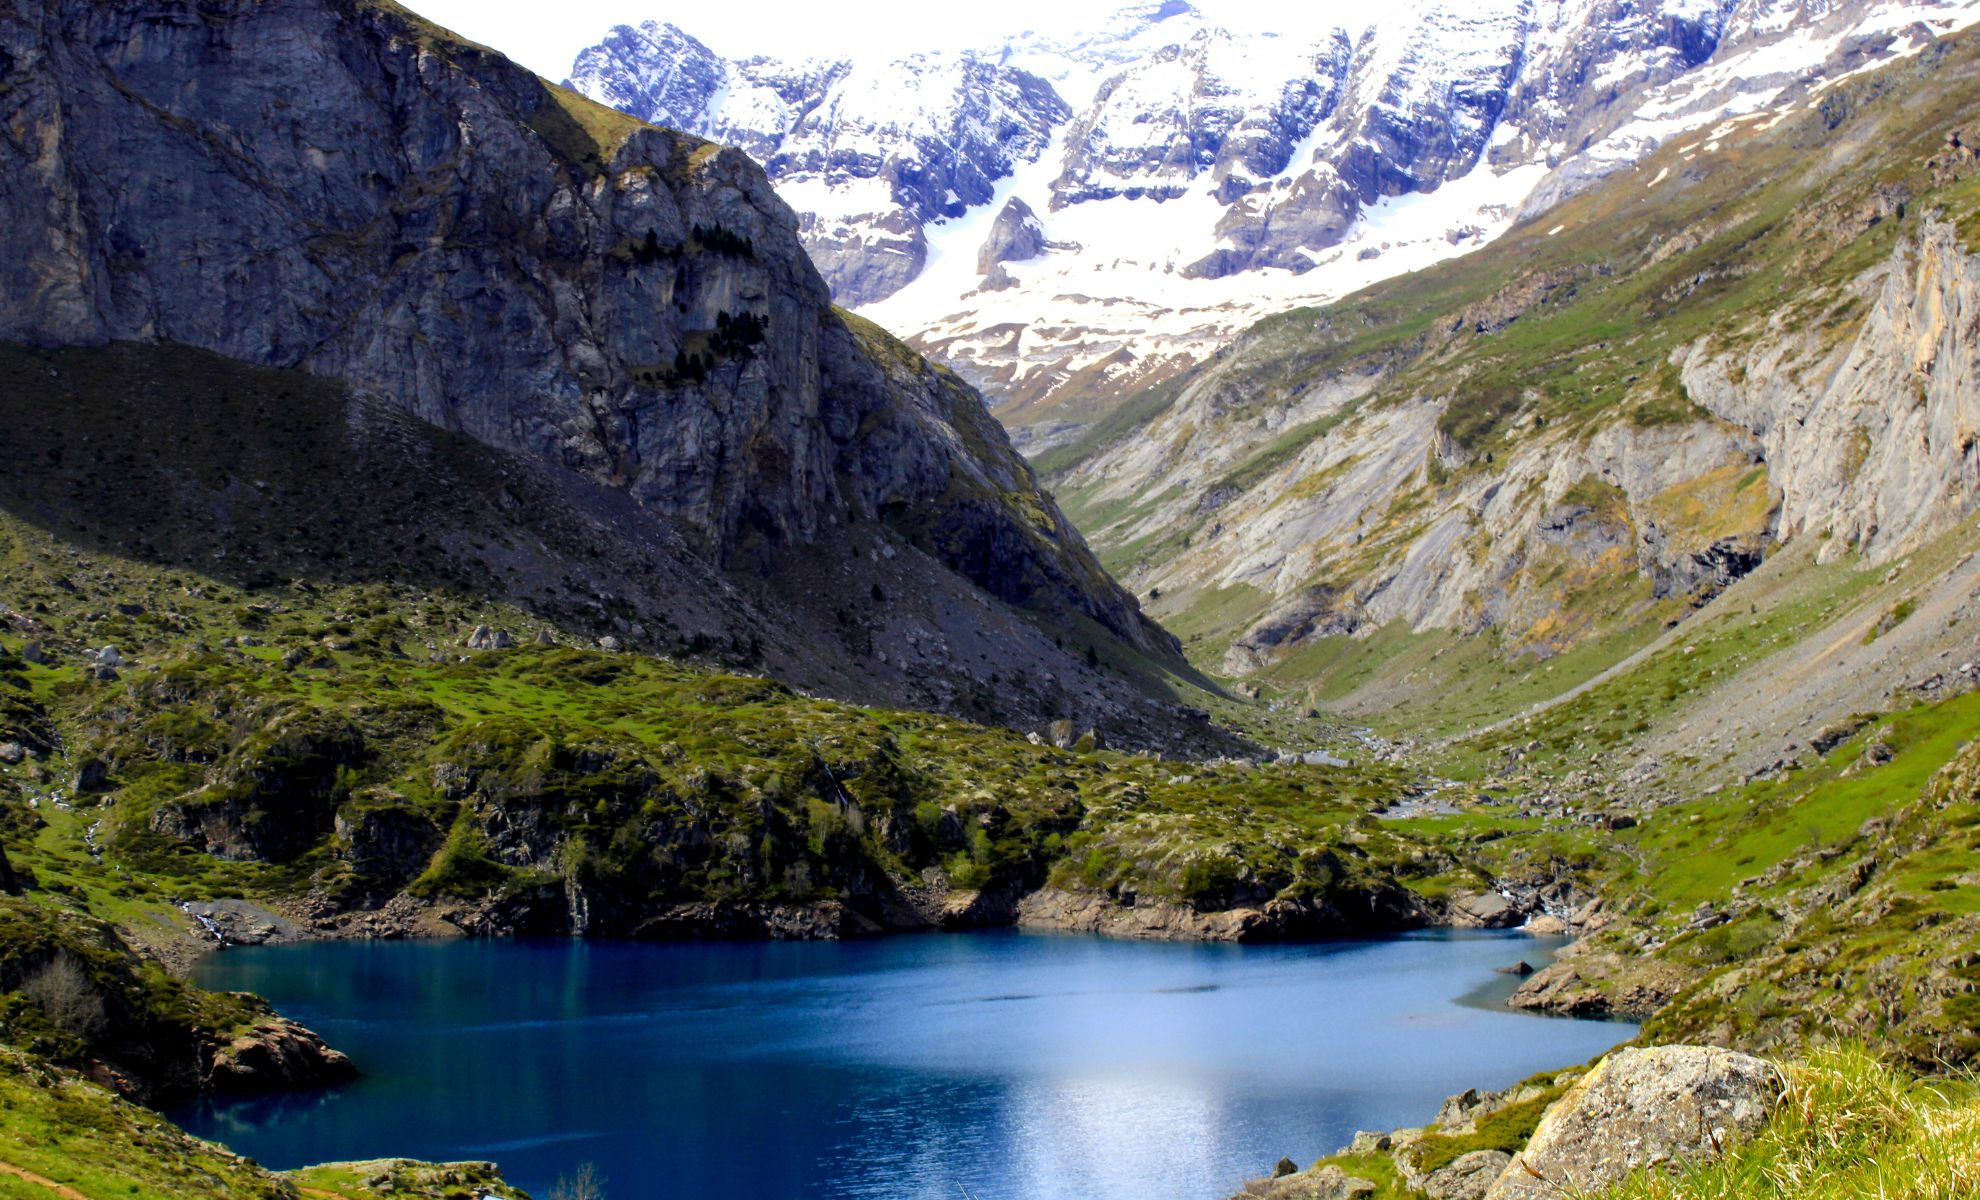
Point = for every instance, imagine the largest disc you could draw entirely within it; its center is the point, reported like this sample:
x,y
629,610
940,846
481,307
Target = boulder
x,y
484,638
1489,910
32,652
1321,1183
12,752
1468,1178
1641,1108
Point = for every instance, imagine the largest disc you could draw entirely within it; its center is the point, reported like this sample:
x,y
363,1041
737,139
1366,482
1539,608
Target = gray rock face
x,y
450,236
1875,439
1014,236
1198,107
1641,1108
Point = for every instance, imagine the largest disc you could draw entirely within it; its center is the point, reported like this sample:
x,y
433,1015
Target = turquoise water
x,y
998,1066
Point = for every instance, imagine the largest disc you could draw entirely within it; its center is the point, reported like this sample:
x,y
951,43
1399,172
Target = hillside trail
x,y
42,1181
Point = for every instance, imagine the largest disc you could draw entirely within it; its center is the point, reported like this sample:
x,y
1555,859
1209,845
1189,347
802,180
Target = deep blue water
x,y
999,1066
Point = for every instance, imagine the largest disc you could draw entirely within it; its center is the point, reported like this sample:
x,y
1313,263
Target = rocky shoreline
x,y
932,908
1570,1133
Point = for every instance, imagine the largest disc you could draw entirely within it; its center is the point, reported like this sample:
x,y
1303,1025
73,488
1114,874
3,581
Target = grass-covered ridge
x,y
344,739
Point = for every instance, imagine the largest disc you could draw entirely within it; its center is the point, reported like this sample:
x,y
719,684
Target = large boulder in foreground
x,y
1642,1108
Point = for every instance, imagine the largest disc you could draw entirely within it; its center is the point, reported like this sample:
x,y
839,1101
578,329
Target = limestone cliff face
x,y
1338,540
1872,437
446,233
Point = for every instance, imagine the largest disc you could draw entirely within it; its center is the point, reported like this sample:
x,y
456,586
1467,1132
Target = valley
x,y
443,509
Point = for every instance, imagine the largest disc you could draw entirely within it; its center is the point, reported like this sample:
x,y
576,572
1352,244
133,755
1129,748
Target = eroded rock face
x,y
1386,908
1641,1108
1873,439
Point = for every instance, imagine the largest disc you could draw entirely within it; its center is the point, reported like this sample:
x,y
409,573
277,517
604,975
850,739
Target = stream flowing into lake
x,y
997,1066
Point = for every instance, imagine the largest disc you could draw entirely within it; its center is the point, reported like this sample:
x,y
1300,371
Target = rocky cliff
x,y
448,236
1875,437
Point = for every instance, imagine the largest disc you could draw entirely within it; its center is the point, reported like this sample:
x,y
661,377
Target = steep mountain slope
x,y
1539,455
628,309
1188,178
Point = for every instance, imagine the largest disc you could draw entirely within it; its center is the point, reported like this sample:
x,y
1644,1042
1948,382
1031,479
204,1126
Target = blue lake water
x,y
998,1066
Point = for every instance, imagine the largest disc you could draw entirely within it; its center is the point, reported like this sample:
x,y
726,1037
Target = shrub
x,y
67,996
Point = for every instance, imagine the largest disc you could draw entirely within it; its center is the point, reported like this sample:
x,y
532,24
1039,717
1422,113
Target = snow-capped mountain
x,y
1066,219
869,153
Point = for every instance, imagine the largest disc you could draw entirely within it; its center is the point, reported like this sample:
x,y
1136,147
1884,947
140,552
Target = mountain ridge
x,y
1205,178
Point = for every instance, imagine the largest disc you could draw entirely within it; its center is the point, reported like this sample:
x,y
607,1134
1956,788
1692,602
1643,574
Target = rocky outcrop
x,y
1499,549
1488,910
1872,436
1468,1178
418,1180
83,997
1014,236
1656,1108
1642,1108
273,1054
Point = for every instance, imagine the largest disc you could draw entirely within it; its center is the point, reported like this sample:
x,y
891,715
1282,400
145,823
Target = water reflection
x,y
1012,1067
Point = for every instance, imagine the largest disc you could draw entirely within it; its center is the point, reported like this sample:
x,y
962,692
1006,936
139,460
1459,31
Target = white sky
x,y
546,36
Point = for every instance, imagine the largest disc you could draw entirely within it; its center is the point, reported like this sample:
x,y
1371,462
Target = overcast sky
x,y
545,35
